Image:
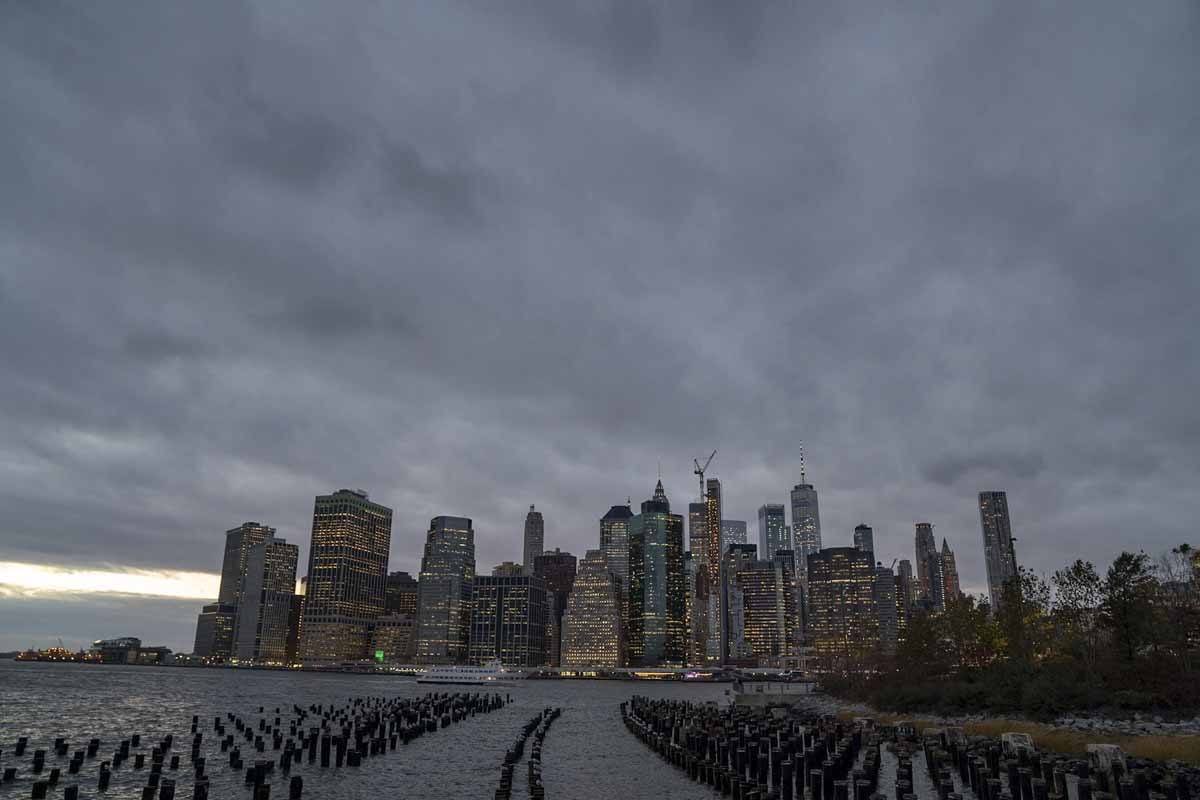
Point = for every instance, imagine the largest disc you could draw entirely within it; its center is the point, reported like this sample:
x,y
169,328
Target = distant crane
x,y
699,470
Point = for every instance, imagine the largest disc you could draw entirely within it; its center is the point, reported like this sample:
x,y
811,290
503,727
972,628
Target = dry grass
x,y
1063,740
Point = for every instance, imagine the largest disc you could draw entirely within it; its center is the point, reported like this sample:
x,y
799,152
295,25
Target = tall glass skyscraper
x,y
509,620
998,553
215,626
261,633
843,622
557,569
347,576
658,628
444,591
864,539
926,549
535,538
806,520
614,541
733,531
772,531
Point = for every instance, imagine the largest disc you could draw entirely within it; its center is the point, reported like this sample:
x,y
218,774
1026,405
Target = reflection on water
x,y
587,754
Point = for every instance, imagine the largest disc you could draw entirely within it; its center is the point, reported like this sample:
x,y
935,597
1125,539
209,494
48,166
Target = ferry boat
x,y
490,674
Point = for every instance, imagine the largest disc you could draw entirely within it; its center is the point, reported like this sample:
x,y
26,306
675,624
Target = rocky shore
x,y
1134,725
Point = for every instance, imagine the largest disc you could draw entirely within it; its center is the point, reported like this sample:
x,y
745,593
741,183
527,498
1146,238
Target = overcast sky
x,y
472,256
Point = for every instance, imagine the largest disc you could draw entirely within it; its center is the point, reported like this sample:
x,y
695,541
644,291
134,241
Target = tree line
x,y
1078,641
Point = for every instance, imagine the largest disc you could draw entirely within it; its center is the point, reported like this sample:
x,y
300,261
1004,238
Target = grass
x,y
1063,740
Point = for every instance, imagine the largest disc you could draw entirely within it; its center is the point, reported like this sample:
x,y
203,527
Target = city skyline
x,y
429,250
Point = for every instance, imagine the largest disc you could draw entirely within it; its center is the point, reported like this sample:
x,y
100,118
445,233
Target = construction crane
x,y
699,470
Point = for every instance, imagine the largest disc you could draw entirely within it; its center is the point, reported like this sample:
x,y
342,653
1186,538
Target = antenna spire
x,y
802,479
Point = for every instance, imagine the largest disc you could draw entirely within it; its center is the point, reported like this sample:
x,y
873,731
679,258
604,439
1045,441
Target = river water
x,y
587,754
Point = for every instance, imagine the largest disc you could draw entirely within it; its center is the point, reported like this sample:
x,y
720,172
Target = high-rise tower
x,y
535,538
950,587
806,518
261,633
215,626
772,531
998,552
926,549
592,634
864,539
347,576
444,591
657,624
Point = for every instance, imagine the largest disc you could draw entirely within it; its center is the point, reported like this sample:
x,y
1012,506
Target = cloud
x,y
472,258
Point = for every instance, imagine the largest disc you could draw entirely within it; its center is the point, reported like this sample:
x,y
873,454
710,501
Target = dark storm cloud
x,y
471,258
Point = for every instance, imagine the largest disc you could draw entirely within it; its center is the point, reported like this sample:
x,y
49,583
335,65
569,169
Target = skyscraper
x,y
926,549
614,541
261,632
444,591
216,623
737,557
998,552
769,616
697,531
712,567
535,538
347,576
401,593
806,517
591,625
733,531
906,584
864,539
557,569
886,609
656,584
951,589
772,531
509,617
843,624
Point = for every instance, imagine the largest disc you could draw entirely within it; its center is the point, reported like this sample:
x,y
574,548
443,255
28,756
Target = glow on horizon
x,y
37,578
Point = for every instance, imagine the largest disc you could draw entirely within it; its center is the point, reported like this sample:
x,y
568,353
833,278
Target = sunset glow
x,y
36,578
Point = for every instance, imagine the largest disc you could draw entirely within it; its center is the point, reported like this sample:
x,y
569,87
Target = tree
x,y
1178,631
1078,593
969,631
1023,617
1127,605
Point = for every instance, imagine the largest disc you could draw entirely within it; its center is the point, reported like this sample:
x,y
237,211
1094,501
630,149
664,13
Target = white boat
x,y
489,674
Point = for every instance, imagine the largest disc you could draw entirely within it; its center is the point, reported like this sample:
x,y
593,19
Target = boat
x,y
490,673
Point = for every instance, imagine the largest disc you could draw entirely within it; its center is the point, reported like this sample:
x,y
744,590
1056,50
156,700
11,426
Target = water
x,y
588,754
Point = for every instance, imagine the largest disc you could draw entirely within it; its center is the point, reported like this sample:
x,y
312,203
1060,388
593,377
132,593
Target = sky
x,y
473,256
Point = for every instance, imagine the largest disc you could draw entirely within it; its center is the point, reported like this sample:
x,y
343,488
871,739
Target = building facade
x,y
214,632
401,594
216,623
927,566
864,539
806,519
906,583
657,623
557,569
733,531
767,593
772,530
998,553
393,638
535,538
509,619
444,591
347,576
886,609
264,611
843,624
592,628
951,590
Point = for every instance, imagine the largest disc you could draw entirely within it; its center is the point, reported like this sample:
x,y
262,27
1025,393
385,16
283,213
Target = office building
x,y
295,625
614,541
886,609
864,539
592,634
535,538
401,594
657,627
733,531
216,623
697,531
951,589
508,569
767,591
347,576
393,638
444,591
557,569
772,530
214,632
906,583
926,549
842,625
712,566
264,610
806,518
736,648
998,553
509,618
